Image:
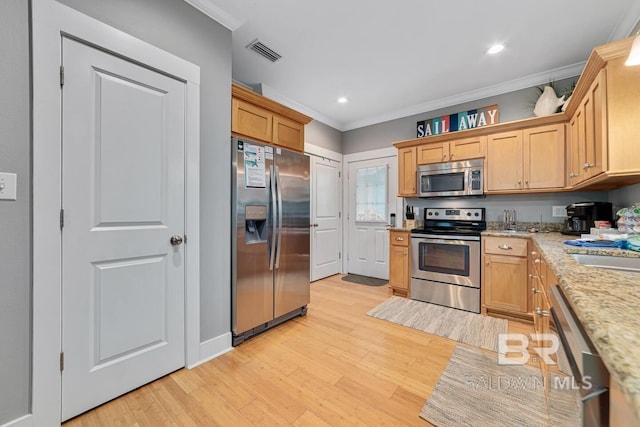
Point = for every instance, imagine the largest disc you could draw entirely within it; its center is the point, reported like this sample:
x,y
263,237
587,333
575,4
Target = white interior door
x,y
372,199
326,230
123,199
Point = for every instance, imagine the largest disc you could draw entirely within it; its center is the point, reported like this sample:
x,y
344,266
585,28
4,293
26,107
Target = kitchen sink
x,y
609,262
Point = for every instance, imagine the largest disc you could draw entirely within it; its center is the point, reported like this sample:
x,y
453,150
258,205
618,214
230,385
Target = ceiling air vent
x,y
262,49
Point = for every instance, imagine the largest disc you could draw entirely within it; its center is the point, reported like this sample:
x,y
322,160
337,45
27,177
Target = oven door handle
x,y
451,238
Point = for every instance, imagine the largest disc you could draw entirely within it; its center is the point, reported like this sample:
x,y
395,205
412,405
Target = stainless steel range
x,y
445,260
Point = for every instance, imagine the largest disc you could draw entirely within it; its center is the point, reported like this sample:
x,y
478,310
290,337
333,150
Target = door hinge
x,y
61,361
339,214
339,255
185,239
61,218
61,75
339,174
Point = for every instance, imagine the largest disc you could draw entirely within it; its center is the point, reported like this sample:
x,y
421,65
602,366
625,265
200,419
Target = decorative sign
x,y
458,121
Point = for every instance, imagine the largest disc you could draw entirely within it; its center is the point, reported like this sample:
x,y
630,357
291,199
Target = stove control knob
x,y
476,214
437,213
468,213
430,213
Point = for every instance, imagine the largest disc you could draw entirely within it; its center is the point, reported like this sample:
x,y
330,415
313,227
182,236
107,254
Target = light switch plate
x,y
558,211
8,186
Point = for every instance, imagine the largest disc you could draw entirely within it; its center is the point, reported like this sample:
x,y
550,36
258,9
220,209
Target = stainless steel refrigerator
x,y
270,237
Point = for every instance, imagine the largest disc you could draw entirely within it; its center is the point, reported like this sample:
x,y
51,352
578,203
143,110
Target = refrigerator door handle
x,y
279,188
272,185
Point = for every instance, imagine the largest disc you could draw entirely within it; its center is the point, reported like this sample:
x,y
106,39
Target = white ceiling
x,y
394,59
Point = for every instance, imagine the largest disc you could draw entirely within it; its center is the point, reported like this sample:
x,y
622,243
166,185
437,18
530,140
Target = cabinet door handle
x,y
404,253
444,157
400,239
451,157
533,276
537,260
535,291
541,312
504,247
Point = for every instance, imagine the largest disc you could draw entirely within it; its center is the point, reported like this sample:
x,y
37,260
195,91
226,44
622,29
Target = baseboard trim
x,y
213,348
24,421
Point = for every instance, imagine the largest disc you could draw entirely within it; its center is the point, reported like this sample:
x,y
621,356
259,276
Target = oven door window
x,y
443,182
444,258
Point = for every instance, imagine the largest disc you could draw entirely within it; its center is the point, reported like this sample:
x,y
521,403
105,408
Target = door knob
x,y
176,240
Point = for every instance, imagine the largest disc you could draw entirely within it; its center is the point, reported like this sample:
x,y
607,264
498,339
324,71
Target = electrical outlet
x,y
8,186
558,211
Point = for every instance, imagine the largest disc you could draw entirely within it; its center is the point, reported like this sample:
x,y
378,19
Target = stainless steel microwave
x,y
463,178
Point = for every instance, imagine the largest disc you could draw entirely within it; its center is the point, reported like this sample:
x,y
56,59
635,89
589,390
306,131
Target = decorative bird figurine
x,y
548,102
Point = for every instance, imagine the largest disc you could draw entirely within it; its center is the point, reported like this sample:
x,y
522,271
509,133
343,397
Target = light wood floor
x,y
334,367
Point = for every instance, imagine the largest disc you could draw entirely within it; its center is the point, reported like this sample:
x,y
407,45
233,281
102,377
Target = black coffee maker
x,y
582,216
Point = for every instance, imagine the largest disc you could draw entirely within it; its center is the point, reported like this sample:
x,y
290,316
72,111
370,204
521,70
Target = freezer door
x,y
292,258
252,278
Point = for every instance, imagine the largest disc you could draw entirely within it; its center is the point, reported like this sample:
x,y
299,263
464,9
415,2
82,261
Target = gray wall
x,y
176,27
512,106
625,197
321,135
529,207
15,216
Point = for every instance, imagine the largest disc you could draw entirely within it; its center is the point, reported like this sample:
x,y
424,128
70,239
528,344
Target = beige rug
x,y
462,326
475,391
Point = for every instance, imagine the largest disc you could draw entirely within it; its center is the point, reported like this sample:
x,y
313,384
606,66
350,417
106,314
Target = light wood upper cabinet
x,y
544,157
503,165
287,133
407,173
588,134
250,120
468,148
604,111
435,152
526,160
451,151
260,118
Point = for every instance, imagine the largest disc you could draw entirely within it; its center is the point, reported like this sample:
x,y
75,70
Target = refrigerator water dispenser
x,y
255,225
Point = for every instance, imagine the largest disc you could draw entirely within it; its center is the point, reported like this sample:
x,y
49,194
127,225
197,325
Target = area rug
x,y
462,326
475,391
364,280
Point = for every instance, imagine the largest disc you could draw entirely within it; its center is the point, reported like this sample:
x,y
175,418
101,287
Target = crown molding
x,y
217,14
273,94
473,95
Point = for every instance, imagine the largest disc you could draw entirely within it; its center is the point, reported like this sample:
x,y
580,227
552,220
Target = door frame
x,y
50,20
358,157
317,151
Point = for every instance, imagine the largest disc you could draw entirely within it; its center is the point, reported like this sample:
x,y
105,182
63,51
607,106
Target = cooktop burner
x,y
467,221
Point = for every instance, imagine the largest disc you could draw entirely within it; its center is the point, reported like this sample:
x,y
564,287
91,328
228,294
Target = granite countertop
x,y
606,303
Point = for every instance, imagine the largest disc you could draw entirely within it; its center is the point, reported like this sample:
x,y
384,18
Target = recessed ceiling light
x,y
496,48
342,100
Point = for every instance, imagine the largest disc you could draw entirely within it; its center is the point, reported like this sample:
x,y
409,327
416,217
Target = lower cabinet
x,y
399,263
505,277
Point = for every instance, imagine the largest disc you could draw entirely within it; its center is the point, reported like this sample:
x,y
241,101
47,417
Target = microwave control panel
x,y
476,180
